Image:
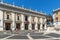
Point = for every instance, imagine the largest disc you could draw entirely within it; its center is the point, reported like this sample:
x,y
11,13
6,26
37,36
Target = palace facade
x,y
12,17
56,18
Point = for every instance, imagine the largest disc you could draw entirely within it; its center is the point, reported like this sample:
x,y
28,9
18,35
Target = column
x,y
30,24
1,20
45,27
36,26
41,26
36,21
13,25
22,24
41,21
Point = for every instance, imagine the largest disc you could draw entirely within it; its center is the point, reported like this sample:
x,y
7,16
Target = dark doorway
x,y
33,26
8,26
18,25
26,26
38,26
43,26
26,18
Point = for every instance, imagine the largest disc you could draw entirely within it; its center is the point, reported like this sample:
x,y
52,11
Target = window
x,y
17,17
8,16
33,19
56,19
26,18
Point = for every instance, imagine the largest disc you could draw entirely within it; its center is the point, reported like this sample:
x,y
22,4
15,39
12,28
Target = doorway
x,y
38,26
8,26
33,26
43,27
26,26
18,26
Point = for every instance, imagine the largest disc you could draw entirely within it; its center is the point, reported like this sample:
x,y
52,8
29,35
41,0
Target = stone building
x,y
12,17
49,21
56,18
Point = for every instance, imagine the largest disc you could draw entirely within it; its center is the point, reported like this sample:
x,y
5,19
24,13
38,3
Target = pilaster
x,y
36,26
13,25
1,20
30,25
45,27
41,21
22,24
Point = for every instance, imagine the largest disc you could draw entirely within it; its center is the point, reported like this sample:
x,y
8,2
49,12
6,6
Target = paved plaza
x,y
30,36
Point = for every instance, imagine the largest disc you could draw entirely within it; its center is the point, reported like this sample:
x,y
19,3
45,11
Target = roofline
x,y
22,8
56,10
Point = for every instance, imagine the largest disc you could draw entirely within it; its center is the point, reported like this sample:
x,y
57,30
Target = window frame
x,y
26,18
56,19
7,16
18,17
33,19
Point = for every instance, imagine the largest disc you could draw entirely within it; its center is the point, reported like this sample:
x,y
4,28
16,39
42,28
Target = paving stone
x,y
52,39
53,35
36,34
3,35
18,37
39,37
23,34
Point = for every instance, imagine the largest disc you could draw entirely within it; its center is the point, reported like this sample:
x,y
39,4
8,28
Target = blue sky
x,y
46,6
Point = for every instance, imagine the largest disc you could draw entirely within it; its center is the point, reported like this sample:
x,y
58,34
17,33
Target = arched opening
x,y
38,26
26,26
18,26
43,27
7,26
33,26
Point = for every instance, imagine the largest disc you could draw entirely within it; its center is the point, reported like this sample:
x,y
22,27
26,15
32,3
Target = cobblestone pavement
x,y
30,36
